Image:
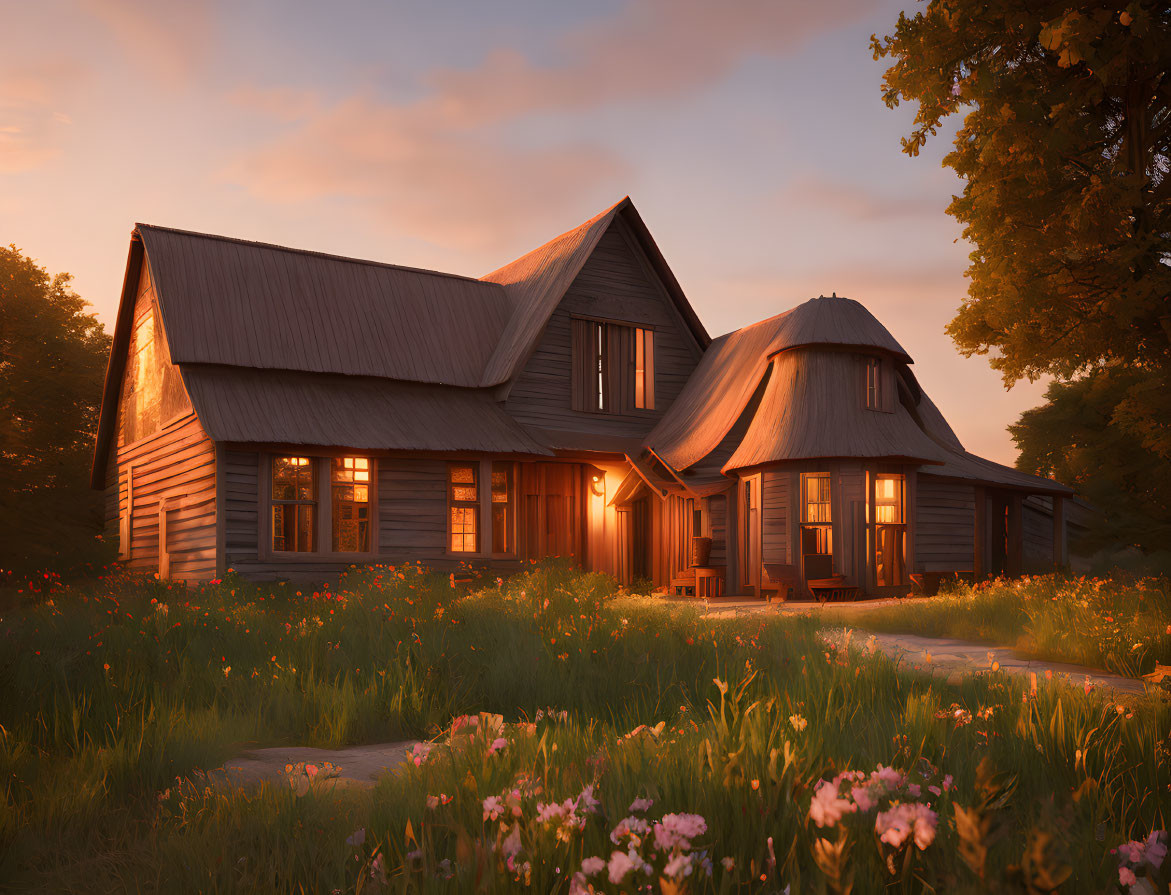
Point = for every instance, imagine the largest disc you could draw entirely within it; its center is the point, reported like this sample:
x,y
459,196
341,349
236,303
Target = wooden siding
x,y
944,526
616,284
775,516
412,510
241,494
176,464
717,513
1037,519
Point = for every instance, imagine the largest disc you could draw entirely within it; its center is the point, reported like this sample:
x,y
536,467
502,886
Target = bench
x,y
780,581
832,588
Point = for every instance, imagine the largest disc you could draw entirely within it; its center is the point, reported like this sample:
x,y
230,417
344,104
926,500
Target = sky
x,y
750,134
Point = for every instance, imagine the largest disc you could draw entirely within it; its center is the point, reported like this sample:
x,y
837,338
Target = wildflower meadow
x,y
568,738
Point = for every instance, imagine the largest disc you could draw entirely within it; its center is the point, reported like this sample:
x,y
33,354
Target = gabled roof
x,y
249,304
732,367
536,282
346,411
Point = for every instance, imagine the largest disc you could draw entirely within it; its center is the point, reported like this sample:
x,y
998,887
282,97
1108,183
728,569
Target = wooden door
x,y
552,510
749,512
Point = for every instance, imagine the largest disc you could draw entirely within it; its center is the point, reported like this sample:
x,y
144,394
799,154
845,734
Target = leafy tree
x,y
52,365
1065,150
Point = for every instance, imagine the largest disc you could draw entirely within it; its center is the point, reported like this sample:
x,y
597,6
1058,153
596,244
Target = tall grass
x,y
1119,624
115,689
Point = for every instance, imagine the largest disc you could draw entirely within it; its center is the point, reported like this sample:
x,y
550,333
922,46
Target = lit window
x,y
816,514
890,533
874,384
502,507
464,508
350,509
644,369
294,505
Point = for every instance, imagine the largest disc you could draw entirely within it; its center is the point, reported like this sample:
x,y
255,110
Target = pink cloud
x,y
168,39
648,49
857,202
34,120
449,186
442,167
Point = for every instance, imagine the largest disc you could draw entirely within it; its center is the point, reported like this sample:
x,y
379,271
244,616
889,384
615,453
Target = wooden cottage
x,y
286,414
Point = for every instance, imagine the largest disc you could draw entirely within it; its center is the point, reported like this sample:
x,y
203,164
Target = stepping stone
x,y
357,766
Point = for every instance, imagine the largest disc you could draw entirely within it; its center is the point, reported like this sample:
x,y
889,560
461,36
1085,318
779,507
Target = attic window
x,y
874,384
613,367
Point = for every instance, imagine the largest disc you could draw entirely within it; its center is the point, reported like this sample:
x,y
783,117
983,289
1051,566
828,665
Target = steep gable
x,y
616,282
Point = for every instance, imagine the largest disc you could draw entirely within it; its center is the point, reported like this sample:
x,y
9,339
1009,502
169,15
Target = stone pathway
x,y
954,658
358,766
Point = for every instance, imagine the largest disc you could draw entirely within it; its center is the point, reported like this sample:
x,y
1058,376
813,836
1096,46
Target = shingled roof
x,y
249,304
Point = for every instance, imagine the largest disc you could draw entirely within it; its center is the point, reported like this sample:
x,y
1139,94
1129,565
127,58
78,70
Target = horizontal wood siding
x,y
177,463
241,491
614,284
945,526
775,519
412,510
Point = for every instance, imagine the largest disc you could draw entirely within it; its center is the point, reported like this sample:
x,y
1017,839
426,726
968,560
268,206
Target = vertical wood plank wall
x,y
945,528
615,283
1037,519
717,514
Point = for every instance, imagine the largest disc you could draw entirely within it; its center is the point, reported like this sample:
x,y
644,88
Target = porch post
x,y
980,538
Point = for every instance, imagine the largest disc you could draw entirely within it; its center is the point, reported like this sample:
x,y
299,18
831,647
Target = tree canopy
x,y
52,364
1065,153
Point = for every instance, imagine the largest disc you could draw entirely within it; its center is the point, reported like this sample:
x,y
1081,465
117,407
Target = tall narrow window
x,y
874,384
294,505
890,531
644,368
464,507
350,508
816,524
502,502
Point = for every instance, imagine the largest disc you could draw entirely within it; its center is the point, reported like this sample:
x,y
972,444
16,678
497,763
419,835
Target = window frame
x,y
485,530
315,502
901,527
878,380
609,363
476,505
323,527
822,525
371,502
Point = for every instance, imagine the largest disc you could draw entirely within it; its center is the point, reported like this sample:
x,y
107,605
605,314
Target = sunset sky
x,y
751,136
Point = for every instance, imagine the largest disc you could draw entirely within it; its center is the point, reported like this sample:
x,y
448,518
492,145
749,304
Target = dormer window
x,y
873,384
613,367
878,388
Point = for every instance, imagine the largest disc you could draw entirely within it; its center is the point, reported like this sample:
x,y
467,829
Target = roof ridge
x,y
311,252
548,242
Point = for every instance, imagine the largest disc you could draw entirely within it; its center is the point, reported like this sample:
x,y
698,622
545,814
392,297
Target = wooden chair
x,y
781,582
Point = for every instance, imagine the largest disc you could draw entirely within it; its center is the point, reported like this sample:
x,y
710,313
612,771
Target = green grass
x,y
1121,625
115,691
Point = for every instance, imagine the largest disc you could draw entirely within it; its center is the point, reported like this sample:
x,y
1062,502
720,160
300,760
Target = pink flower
x,y
1156,848
511,845
497,745
902,820
641,804
676,831
1126,876
678,867
432,802
827,806
620,866
630,826
862,798
587,802
493,807
419,753
590,866
310,771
